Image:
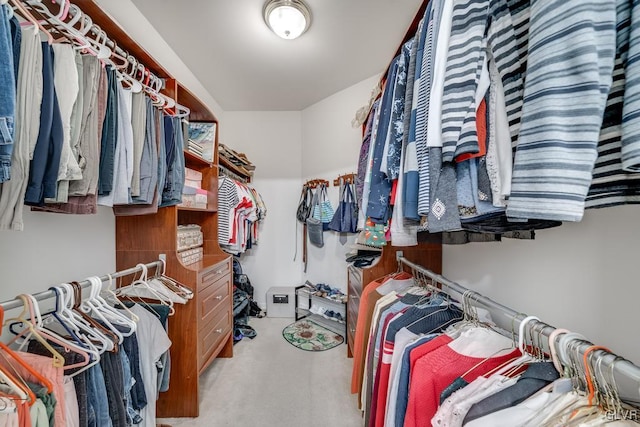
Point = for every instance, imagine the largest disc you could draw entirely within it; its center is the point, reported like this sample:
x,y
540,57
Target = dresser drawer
x,y
213,274
210,337
214,298
354,277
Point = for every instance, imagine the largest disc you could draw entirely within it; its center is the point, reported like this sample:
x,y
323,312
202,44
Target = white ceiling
x,y
246,67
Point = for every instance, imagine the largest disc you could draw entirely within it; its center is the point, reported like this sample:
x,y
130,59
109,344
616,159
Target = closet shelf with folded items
x,y
430,352
87,347
237,163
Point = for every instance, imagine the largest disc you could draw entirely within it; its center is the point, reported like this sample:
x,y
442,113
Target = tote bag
x,y
323,209
345,219
314,225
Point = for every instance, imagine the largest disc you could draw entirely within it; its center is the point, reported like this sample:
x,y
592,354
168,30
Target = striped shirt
x,y
570,62
478,26
412,184
611,184
227,201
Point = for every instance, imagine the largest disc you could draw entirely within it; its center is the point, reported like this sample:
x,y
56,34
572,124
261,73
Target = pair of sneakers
x,y
327,314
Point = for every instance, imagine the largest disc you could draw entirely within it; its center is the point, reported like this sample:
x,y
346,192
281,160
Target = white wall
x,y
288,148
331,148
55,248
581,276
273,143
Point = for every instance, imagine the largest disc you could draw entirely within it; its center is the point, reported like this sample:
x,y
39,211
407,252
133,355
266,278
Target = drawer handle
x,y
353,330
219,297
219,331
219,271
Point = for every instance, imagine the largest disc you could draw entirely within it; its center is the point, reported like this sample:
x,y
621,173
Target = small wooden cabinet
x,y
428,254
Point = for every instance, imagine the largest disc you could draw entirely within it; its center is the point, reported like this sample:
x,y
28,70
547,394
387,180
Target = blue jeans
x,y
162,153
16,41
174,139
109,136
43,174
132,416
98,407
8,98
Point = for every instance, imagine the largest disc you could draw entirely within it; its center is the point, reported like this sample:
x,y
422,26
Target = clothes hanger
x,y
16,357
110,291
111,312
62,10
173,285
113,315
141,284
53,337
586,413
553,349
16,383
526,357
107,330
58,360
85,343
17,5
94,335
89,307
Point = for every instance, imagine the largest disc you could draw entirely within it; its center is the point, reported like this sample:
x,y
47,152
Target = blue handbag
x,y
345,220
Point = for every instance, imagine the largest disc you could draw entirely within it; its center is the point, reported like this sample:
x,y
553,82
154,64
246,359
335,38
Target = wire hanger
x,y
141,289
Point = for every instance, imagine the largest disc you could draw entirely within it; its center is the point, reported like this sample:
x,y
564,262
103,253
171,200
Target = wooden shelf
x,y
233,168
189,156
185,208
206,262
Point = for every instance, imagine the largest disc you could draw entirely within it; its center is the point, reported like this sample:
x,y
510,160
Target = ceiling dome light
x,y
287,18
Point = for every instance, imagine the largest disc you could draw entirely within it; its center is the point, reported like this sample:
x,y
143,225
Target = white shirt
x,y
491,386
153,342
404,338
516,415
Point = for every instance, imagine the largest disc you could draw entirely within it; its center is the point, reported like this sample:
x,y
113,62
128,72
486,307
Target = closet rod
x,y
223,171
627,374
44,295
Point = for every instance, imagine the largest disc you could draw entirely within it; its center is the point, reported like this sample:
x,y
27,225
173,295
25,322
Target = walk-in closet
x,y
290,213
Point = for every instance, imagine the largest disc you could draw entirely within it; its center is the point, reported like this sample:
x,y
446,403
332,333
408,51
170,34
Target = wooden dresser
x,y
202,329
427,254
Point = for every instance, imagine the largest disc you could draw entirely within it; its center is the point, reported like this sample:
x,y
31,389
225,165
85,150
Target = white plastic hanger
x,y
114,316
110,291
91,333
90,307
140,288
54,337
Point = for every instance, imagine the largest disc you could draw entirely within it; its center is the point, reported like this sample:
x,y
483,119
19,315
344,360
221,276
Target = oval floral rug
x,y
310,336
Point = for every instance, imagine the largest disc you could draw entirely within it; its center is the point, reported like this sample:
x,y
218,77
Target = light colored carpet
x,y
271,383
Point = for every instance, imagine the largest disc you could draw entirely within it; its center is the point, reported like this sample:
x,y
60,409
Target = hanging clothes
x,y
240,211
